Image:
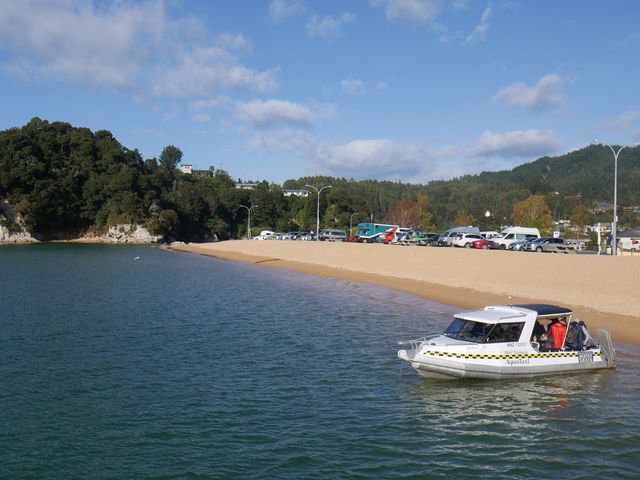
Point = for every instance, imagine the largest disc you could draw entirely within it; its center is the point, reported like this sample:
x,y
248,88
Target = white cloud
x,y
233,41
265,113
413,10
544,96
480,32
72,40
516,144
625,121
628,122
200,72
409,162
135,47
201,118
372,158
353,86
210,103
327,26
281,9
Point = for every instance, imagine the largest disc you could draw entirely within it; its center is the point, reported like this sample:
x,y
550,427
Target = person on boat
x,y
496,334
589,341
546,344
557,331
538,329
575,337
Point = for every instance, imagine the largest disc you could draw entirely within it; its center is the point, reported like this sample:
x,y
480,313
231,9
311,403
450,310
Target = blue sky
x,y
410,90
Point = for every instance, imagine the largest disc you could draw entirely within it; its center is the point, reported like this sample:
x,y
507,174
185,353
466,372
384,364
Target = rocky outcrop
x,y
7,236
127,233
12,229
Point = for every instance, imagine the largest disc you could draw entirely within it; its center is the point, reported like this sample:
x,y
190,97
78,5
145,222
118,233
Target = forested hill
x,y
582,177
65,181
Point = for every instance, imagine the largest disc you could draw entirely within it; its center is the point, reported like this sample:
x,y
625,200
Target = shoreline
x,y
444,283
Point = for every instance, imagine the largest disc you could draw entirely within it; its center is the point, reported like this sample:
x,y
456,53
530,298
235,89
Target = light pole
x,y
614,225
318,210
351,223
249,219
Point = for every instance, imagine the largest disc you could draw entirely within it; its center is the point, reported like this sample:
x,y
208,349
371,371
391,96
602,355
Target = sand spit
x,y
604,291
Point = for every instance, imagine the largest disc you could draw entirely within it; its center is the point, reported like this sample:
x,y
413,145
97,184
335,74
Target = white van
x,y
513,234
265,235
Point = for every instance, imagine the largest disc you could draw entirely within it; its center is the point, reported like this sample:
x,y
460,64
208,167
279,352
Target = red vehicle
x,y
484,243
390,235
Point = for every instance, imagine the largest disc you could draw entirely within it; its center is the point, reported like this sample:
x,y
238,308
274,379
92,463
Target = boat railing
x,y
415,342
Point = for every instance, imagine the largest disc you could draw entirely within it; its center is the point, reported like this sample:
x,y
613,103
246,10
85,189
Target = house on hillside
x,y
189,170
246,186
296,193
602,207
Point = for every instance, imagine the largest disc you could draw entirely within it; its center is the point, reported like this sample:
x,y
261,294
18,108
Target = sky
x,y
403,90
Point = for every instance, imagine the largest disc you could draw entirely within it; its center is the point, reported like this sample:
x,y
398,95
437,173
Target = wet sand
x,y
603,291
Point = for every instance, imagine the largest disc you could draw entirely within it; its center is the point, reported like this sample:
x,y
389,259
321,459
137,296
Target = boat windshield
x,y
468,330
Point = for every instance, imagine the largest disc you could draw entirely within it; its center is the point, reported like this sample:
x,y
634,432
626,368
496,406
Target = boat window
x,y
468,330
505,332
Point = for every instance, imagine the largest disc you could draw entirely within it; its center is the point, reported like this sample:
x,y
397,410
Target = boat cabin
x,y
504,323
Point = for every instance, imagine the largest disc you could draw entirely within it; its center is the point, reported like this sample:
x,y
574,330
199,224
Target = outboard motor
x,y
606,347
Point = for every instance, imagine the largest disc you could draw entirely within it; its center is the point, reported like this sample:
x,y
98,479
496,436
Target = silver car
x,y
552,245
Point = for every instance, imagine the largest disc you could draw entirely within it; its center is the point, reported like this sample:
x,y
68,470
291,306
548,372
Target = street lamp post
x,y
351,223
249,219
318,209
614,225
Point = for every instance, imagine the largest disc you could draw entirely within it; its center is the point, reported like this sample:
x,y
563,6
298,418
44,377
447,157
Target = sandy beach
x,y
603,291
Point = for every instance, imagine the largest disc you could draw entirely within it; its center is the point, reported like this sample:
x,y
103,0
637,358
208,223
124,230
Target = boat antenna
x,y
510,304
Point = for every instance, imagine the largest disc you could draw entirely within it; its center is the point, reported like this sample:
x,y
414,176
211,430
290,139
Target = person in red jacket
x,y
557,331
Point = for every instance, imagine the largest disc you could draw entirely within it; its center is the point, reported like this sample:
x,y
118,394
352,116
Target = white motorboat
x,y
499,341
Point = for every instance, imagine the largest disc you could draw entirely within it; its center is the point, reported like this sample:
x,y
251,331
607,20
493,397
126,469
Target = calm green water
x,y
177,366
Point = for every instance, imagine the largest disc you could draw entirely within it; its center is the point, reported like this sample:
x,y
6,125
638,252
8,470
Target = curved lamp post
x,y
249,219
614,225
318,209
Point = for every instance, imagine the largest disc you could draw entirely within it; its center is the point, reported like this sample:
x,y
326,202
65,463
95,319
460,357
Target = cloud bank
x,y
544,96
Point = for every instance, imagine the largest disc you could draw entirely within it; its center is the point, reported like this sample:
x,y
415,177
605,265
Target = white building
x,y
297,193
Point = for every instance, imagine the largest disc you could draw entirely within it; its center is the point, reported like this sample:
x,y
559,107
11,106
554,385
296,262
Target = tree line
x,y
66,181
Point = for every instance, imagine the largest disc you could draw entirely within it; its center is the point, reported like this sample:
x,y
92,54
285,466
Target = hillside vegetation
x,y
65,181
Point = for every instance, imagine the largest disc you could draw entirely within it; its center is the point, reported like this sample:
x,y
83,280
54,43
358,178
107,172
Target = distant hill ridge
x,y
64,181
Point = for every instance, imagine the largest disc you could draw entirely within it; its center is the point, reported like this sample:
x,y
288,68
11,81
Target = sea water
x,y
133,362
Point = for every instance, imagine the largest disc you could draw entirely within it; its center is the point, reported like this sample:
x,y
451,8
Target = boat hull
x,y
438,365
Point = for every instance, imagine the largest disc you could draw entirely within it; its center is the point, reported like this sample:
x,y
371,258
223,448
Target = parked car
x,y
445,239
466,239
265,235
553,245
422,238
513,234
395,234
518,244
333,235
484,244
531,245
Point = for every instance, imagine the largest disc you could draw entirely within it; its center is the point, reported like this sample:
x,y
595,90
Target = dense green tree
x,y
170,157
